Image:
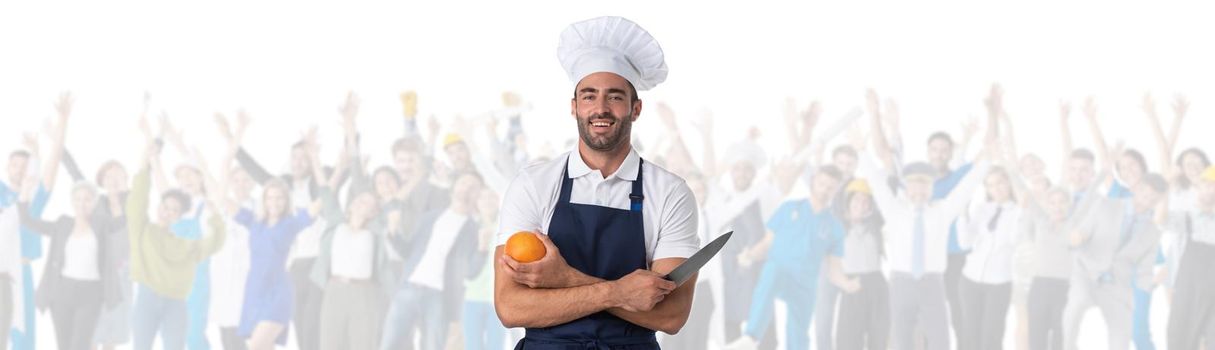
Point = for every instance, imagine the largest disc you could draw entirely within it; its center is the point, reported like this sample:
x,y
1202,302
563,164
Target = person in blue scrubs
x,y
804,233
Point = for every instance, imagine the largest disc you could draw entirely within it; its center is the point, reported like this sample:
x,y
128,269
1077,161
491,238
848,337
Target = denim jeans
x,y
155,313
415,310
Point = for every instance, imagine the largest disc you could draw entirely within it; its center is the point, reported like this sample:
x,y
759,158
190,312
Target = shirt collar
x,y
627,171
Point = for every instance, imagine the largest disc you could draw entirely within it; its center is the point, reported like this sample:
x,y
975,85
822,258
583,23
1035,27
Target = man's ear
x,y
574,107
636,109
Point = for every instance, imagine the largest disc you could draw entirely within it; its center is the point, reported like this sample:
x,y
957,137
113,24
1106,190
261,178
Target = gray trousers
x,y
824,312
351,315
1192,316
6,310
984,309
307,305
864,321
1047,298
919,303
1114,299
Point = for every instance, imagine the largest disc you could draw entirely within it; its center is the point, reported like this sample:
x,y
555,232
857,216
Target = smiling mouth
x,y
602,123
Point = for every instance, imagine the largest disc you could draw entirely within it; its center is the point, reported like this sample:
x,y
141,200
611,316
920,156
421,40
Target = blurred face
x,y
83,201
242,184
1034,170
998,189
190,180
362,207
1058,205
919,189
845,162
824,186
1079,172
301,165
16,169
170,210
860,207
410,165
386,185
114,180
743,174
487,204
940,152
465,190
1145,197
459,156
274,199
1130,170
605,111
1192,166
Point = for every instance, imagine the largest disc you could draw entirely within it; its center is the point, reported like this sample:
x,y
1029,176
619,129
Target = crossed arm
x,y
549,292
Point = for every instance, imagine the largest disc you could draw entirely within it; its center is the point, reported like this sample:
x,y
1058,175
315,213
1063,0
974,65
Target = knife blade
x,y
689,267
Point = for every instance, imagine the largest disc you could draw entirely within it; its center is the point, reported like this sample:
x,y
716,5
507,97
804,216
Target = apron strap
x,y
636,197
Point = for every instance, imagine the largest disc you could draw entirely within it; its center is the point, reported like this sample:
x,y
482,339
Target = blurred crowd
x,y
865,246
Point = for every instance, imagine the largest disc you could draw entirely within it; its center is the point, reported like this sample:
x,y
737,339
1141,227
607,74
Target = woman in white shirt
x,y
351,269
75,279
989,230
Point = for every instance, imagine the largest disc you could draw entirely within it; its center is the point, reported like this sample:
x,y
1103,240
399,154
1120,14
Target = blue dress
x,y
268,294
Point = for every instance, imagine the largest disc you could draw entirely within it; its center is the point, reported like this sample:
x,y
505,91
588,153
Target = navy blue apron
x,y
604,242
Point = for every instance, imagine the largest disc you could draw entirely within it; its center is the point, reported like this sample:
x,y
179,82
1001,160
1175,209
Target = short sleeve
x,y
520,208
781,218
677,230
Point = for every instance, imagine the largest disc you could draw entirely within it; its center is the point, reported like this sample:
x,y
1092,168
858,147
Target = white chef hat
x,y
747,151
612,44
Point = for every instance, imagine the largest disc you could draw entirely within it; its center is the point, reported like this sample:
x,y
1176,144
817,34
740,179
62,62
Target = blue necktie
x,y
917,246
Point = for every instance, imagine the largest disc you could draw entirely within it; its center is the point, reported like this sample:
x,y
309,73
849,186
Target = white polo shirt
x,y
668,210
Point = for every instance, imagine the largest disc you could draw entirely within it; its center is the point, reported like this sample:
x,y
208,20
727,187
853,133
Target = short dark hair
x,y
387,170
1138,157
941,135
830,170
1084,154
177,195
844,150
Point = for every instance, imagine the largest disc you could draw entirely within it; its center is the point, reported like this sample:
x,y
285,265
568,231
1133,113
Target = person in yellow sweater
x,y
163,264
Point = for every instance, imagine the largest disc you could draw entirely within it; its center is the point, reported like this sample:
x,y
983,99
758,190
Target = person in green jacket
x,y
162,264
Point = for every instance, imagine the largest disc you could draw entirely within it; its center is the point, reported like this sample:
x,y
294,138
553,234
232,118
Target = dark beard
x,y
607,142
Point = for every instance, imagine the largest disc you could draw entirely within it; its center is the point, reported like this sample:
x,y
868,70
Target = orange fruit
x,y
524,247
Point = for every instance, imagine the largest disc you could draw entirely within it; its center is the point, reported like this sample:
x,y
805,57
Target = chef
x,y
612,224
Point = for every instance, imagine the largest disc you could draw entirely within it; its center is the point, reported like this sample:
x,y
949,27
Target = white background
x,y
290,64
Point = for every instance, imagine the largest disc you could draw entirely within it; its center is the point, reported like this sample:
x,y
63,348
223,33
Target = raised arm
x,y
58,132
1104,156
881,146
1162,143
1065,110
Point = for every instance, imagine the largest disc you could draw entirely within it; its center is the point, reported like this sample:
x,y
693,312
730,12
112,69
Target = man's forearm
x,y
521,306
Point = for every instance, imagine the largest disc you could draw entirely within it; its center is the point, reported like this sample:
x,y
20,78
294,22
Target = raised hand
x,y
225,129
995,100
1181,105
350,108
1149,105
64,105
1090,108
667,115
1065,109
